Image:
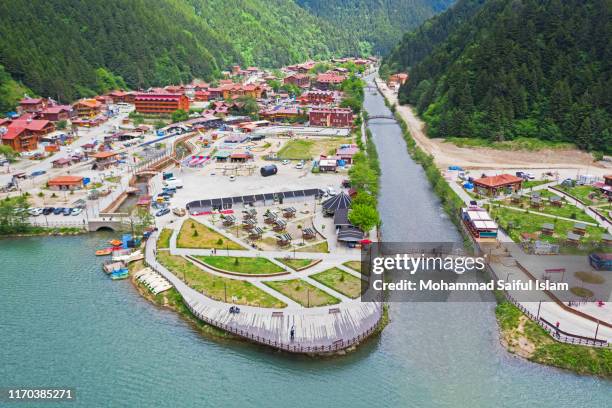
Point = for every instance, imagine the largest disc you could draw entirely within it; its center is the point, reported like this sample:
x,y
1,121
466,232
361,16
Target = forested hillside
x,y
514,68
376,24
73,48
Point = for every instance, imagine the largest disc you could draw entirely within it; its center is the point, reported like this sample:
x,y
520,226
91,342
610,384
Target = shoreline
x,y
173,301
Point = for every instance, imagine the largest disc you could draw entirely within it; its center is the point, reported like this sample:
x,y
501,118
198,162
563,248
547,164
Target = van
x,y
268,170
173,182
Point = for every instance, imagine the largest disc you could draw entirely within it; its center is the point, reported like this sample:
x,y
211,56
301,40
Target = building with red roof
x,y
301,80
66,183
317,98
331,117
329,80
160,103
56,113
32,104
493,185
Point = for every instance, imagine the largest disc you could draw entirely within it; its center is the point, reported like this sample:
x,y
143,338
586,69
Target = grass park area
x,y
240,264
321,247
196,235
298,149
354,265
566,210
520,143
217,287
531,223
296,263
587,194
340,281
525,338
527,184
303,292
163,241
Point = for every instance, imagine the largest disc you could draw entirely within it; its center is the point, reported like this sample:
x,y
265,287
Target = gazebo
x,y
350,235
283,239
229,220
337,202
255,233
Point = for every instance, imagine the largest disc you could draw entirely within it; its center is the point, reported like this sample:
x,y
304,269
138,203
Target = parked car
x,y
67,211
268,170
331,191
37,173
35,212
299,166
285,162
162,212
173,182
58,210
76,211
47,210
179,212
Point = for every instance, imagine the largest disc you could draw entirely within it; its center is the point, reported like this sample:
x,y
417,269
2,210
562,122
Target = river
x,y
64,323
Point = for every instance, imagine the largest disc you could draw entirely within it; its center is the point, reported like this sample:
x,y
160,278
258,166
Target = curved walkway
x,y
317,329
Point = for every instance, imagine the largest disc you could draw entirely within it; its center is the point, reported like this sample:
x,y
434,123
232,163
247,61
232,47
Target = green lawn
x,y
583,192
567,210
239,264
354,265
216,287
196,235
319,247
303,292
298,149
527,184
517,329
340,281
520,143
163,241
296,263
531,223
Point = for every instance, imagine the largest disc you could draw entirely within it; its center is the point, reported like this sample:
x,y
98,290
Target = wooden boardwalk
x,y
317,330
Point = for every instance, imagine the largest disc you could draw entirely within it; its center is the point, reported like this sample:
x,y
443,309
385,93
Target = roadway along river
x,y
64,323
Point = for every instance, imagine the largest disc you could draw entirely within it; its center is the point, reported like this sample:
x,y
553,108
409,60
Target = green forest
x,y
377,25
504,69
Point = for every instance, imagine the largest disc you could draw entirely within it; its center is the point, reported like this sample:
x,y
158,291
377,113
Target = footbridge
x,y
386,117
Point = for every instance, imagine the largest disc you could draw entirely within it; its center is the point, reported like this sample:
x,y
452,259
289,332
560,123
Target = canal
x,y
65,324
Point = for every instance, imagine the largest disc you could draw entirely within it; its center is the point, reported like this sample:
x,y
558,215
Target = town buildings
x,y
494,185
160,103
331,117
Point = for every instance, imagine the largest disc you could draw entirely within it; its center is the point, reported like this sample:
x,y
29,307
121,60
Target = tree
x,y
61,124
8,152
364,217
179,115
363,198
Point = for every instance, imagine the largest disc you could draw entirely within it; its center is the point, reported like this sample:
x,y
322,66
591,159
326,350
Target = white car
x,y
299,166
35,212
76,211
331,191
285,162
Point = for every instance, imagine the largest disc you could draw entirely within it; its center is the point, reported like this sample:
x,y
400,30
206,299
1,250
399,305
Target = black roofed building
x,y
340,201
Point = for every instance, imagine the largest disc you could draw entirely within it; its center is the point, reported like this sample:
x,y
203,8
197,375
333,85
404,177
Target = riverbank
x,y
524,338
45,232
541,348
447,154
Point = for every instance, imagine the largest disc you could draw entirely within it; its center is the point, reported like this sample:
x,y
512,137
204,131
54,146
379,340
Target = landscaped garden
x,y
340,281
163,241
587,194
517,222
318,247
296,263
242,264
298,149
196,235
217,287
303,292
566,210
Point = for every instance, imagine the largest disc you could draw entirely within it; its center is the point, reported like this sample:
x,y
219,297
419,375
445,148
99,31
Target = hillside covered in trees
x,y
501,69
68,49
377,25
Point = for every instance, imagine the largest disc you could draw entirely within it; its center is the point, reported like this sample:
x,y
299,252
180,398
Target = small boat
x,y
105,251
119,274
115,242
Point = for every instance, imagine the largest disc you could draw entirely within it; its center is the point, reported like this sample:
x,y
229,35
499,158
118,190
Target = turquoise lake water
x,y
65,324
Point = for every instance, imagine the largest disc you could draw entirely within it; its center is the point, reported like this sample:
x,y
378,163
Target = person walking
x,y
292,333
